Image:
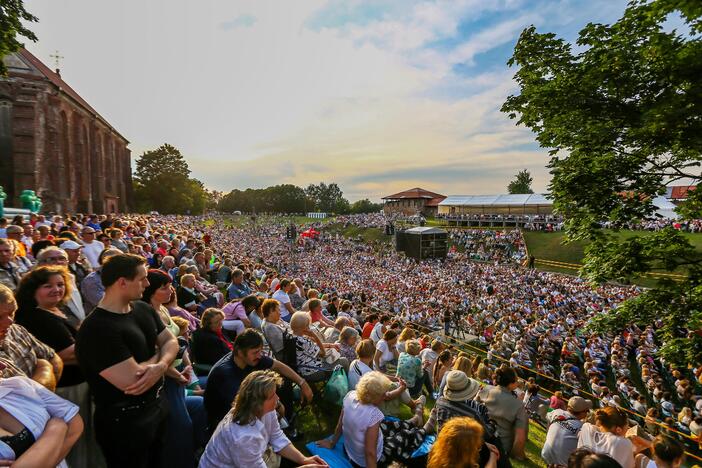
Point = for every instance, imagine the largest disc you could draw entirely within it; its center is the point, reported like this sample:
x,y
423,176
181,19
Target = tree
x,y
12,13
365,206
284,198
328,198
621,119
161,183
521,183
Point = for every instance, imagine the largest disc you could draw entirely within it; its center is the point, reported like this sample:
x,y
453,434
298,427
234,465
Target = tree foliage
x,y
162,183
621,119
365,206
521,183
12,13
284,198
328,198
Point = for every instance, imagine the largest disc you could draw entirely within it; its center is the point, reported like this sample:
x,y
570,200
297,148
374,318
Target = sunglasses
x,y
56,259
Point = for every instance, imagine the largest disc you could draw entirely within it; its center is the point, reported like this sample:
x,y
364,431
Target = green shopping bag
x,y
337,386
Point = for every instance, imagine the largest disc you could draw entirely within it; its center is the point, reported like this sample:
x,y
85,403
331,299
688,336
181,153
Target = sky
x,y
378,96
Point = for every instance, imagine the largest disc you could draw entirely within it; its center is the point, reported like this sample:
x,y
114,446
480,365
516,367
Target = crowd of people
x,y
178,341
487,245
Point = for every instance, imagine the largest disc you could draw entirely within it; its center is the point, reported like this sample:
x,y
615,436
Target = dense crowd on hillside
x,y
178,341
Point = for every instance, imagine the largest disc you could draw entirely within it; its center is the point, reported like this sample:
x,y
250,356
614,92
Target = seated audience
x,y
208,343
37,427
368,437
250,435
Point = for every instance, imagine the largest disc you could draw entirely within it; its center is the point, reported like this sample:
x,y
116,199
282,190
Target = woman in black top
x,y
41,301
208,344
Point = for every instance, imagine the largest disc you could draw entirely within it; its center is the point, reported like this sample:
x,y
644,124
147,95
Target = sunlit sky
x,y
378,96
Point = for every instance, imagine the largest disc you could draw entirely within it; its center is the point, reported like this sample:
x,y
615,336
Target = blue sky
x,y
378,96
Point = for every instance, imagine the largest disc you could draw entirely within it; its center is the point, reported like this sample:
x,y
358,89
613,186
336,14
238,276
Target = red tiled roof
x,y
414,193
435,201
679,192
56,79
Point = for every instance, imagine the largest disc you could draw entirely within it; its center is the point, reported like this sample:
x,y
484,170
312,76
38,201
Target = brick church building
x,y
53,142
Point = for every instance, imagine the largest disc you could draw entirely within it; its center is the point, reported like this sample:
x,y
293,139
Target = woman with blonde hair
x,y
250,435
406,335
368,437
462,363
458,445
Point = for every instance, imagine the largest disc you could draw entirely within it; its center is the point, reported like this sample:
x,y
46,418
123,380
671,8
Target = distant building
x,y
53,142
678,193
412,202
506,204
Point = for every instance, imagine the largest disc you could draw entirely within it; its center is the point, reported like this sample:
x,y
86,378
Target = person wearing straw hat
x,y
564,427
458,401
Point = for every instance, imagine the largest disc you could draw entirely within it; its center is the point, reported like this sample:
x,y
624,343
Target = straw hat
x,y
459,387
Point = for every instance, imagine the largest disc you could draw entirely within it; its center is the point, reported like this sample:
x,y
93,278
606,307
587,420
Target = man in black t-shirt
x,y
226,376
124,350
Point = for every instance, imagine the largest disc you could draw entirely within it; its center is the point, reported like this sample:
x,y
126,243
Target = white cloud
x,y
254,96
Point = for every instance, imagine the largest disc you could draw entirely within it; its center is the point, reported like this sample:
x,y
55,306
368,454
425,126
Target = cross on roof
x,y
57,58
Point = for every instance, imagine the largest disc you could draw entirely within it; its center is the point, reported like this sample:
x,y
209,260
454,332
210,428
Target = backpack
x,y
288,355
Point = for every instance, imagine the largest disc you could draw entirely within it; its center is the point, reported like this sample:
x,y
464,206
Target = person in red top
x,y
371,320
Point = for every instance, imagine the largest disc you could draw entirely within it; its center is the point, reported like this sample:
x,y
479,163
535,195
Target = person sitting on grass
x,y
409,368
397,393
250,435
370,439
459,446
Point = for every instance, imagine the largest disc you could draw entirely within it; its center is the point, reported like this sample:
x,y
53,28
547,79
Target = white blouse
x,y
32,405
233,445
357,419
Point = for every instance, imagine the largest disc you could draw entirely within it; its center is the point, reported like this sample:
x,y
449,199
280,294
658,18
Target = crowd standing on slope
x,y
172,341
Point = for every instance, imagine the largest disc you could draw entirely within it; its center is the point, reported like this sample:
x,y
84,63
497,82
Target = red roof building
x,y
677,193
413,201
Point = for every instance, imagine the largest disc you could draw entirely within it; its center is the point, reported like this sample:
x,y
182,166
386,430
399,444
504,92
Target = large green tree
x,y
328,198
621,115
12,14
365,206
285,198
521,183
162,183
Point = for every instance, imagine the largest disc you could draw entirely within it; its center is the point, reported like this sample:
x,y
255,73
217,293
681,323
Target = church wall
x,y
55,146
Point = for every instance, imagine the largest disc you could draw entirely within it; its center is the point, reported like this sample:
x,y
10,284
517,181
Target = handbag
x,y
337,386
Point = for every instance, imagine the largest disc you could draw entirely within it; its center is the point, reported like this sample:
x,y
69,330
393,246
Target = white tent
x,y
665,208
505,204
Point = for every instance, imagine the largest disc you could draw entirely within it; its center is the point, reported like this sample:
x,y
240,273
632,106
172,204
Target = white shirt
x,y
562,437
377,333
282,297
617,447
32,405
357,419
356,371
92,252
243,446
386,354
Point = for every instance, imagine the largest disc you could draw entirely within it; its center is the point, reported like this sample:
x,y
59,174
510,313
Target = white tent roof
x,y
496,200
425,230
665,208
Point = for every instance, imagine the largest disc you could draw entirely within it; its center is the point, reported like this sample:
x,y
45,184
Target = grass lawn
x,y
551,246
367,234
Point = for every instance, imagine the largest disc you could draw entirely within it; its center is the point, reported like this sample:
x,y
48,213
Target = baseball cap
x,y
71,245
577,404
